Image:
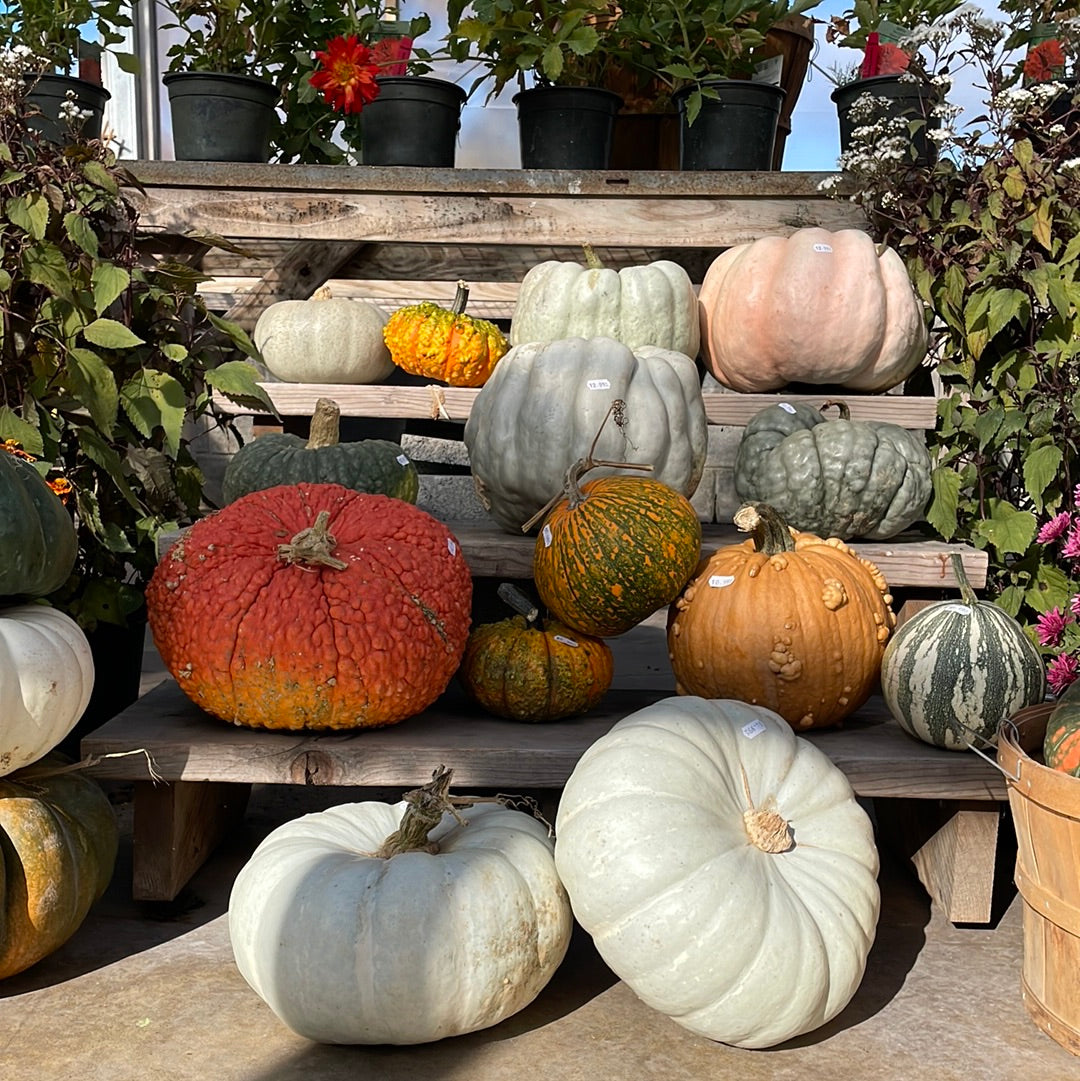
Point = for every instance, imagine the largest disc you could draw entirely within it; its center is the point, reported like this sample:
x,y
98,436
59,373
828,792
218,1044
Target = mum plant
x,y
991,237
1058,630
104,361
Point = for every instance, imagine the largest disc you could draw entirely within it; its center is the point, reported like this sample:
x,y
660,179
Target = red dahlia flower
x,y
346,78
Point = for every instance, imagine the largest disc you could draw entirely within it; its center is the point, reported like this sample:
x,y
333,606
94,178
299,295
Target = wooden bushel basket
x,y
1045,807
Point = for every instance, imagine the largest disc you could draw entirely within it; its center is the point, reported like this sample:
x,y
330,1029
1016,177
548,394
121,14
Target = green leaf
x,y
80,233
29,213
45,265
93,384
1041,466
108,281
12,426
1014,185
238,381
1023,152
551,62
110,334
1007,529
945,502
155,399
988,424
1005,305
101,454
99,176
1041,224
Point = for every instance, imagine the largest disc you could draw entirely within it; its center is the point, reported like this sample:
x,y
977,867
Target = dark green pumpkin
x,y
836,478
37,536
1061,748
376,466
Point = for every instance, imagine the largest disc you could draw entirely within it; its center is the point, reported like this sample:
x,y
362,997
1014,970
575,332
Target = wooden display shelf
x,y
204,767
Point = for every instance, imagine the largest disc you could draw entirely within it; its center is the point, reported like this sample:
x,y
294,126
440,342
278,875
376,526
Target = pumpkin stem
x,y
771,533
842,408
767,830
519,602
966,592
325,430
324,292
592,260
313,546
461,298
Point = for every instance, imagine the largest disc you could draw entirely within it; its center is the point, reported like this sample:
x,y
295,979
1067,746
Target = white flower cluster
x,y
15,62
70,112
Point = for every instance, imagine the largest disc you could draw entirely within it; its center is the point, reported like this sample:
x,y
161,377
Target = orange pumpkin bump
x,y
312,606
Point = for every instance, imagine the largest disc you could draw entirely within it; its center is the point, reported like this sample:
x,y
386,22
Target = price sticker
x,y
754,728
402,460
959,609
565,641
718,581
546,534
787,407
598,384
451,546
824,248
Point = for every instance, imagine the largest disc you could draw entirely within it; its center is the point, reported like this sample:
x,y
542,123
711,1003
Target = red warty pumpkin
x,y
312,606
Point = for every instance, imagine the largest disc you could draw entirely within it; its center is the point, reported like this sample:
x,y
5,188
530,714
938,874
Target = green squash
x,y
1061,747
836,478
375,466
37,536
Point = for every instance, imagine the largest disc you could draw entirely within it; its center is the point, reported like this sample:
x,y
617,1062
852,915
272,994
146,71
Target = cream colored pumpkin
x,y
326,339
46,676
544,403
349,946
818,306
723,868
653,304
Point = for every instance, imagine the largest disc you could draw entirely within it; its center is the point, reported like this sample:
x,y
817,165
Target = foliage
x,y
236,36
103,360
851,29
991,237
53,30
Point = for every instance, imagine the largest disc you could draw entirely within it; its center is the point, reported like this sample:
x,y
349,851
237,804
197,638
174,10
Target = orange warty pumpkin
x,y
444,343
312,606
786,620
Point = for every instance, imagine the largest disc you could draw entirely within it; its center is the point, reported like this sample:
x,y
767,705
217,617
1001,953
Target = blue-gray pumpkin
x,y
837,478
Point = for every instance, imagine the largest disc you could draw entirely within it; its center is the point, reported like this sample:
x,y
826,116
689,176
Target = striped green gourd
x,y
1061,747
954,671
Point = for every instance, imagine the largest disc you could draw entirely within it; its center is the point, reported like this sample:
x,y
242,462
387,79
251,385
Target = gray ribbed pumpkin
x,y
954,671
544,403
836,478
376,466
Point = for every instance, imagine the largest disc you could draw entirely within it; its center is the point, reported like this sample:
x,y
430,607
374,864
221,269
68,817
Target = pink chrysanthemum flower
x,y
1071,548
1050,626
1062,671
1074,605
1054,529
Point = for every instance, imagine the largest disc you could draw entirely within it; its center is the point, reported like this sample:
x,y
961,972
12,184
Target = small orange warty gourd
x,y
312,606
614,550
818,306
444,343
529,669
786,620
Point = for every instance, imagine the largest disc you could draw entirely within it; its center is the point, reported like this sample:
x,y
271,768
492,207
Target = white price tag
x,y
959,609
754,728
565,641
598,384
787,407
402,460
824,248
451,546
546,534
719,580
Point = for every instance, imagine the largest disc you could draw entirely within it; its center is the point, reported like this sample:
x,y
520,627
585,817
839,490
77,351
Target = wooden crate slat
x,y
186,744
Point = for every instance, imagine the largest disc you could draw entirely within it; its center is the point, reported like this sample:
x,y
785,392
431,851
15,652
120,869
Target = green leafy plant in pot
x,y
104,362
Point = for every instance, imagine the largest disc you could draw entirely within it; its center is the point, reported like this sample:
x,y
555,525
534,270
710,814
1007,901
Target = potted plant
x,y
65,39
889,86
709,55
104,362
557,53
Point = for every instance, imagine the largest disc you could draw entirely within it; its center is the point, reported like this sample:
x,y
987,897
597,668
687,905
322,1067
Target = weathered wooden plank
x,y
384,400
186,744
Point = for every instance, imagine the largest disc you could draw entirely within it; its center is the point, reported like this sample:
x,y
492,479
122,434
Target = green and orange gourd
x,y
1061,747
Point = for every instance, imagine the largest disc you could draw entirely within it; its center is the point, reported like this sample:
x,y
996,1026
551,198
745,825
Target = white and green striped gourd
x,y
954,671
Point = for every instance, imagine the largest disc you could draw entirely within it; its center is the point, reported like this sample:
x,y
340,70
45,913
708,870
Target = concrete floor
x,y
149,992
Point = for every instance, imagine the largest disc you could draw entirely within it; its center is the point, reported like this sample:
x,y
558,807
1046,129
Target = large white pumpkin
x,y
46,676
326,339
723,867
349,947
544,403
654,304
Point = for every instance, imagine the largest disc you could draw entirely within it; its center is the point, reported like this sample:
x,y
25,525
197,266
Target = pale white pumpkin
x,y
723,867
819,306
46,676
544,403
326,339
346,946
654,304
